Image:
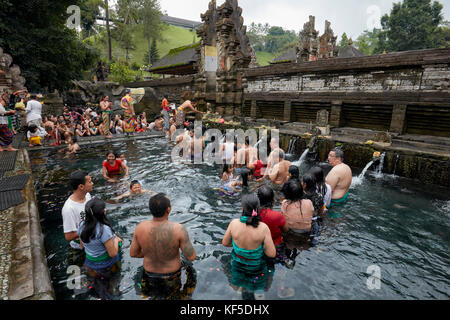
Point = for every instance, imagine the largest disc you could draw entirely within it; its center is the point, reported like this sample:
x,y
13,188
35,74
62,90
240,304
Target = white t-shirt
x,y
72,218
327,198
40,132
228,153
33,110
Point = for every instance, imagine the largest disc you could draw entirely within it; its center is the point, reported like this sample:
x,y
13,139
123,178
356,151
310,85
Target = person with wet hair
x,y
297,210
98,238
135,190
73,146
248,232
101,246
310,192
274,220
112,168
159,242
322,187
251,240
294,173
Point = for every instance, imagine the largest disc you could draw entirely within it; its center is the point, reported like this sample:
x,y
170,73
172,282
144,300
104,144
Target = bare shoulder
x,y
263,226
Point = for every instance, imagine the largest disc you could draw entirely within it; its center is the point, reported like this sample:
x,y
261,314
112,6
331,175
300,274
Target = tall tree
x,y
367,42
90,10
154,53
277,38
411,25
49,54
150,20
127,18
344,40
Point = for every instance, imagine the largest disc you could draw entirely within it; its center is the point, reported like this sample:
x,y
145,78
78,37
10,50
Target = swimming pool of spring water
x,y
398,225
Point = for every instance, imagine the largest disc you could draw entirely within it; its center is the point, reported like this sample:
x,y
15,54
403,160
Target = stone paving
x,y
6,227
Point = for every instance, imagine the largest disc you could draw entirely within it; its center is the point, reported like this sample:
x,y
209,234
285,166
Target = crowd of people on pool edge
x,y
21,111
260,238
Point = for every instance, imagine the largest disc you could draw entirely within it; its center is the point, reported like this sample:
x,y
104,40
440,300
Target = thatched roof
x,y
178,61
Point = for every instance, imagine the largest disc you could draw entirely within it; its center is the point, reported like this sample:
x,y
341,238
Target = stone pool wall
x,y
23,266
425,165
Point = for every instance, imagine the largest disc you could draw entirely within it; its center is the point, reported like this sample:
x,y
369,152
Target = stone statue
x,y
101,71
10,73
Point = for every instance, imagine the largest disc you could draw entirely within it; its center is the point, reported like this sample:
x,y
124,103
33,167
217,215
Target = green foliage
x,y
264,58
271,39
48,53
173,37
135,66
368,41
256,34
344,41
412,25
152,55
125,37
121,73
278,39
90,9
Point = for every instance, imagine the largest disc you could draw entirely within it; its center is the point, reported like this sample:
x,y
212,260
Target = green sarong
x,y
334,211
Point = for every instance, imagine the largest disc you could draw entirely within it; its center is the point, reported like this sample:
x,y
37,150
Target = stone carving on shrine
x,y
311,47
234,52
308,42
327,43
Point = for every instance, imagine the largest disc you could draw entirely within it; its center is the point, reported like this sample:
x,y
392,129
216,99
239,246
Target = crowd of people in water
x,y
260,238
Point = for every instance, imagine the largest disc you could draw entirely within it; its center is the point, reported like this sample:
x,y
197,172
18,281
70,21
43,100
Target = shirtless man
x,y
272,159
279,173
339,178
159,241
247,155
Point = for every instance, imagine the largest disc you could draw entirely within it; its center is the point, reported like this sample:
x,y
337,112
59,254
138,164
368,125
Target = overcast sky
x,y
350,16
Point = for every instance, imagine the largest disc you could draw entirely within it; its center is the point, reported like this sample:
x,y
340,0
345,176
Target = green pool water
x,y
398,225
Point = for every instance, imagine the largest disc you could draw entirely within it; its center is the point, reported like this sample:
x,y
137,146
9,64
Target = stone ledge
x,y
29,277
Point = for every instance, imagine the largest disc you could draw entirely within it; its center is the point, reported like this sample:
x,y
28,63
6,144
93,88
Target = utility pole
x,y
108,31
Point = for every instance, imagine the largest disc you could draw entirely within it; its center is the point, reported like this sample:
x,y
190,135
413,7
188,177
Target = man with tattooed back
x,y
159,241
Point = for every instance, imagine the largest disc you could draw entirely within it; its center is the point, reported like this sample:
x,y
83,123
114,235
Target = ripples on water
x,y
387,222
